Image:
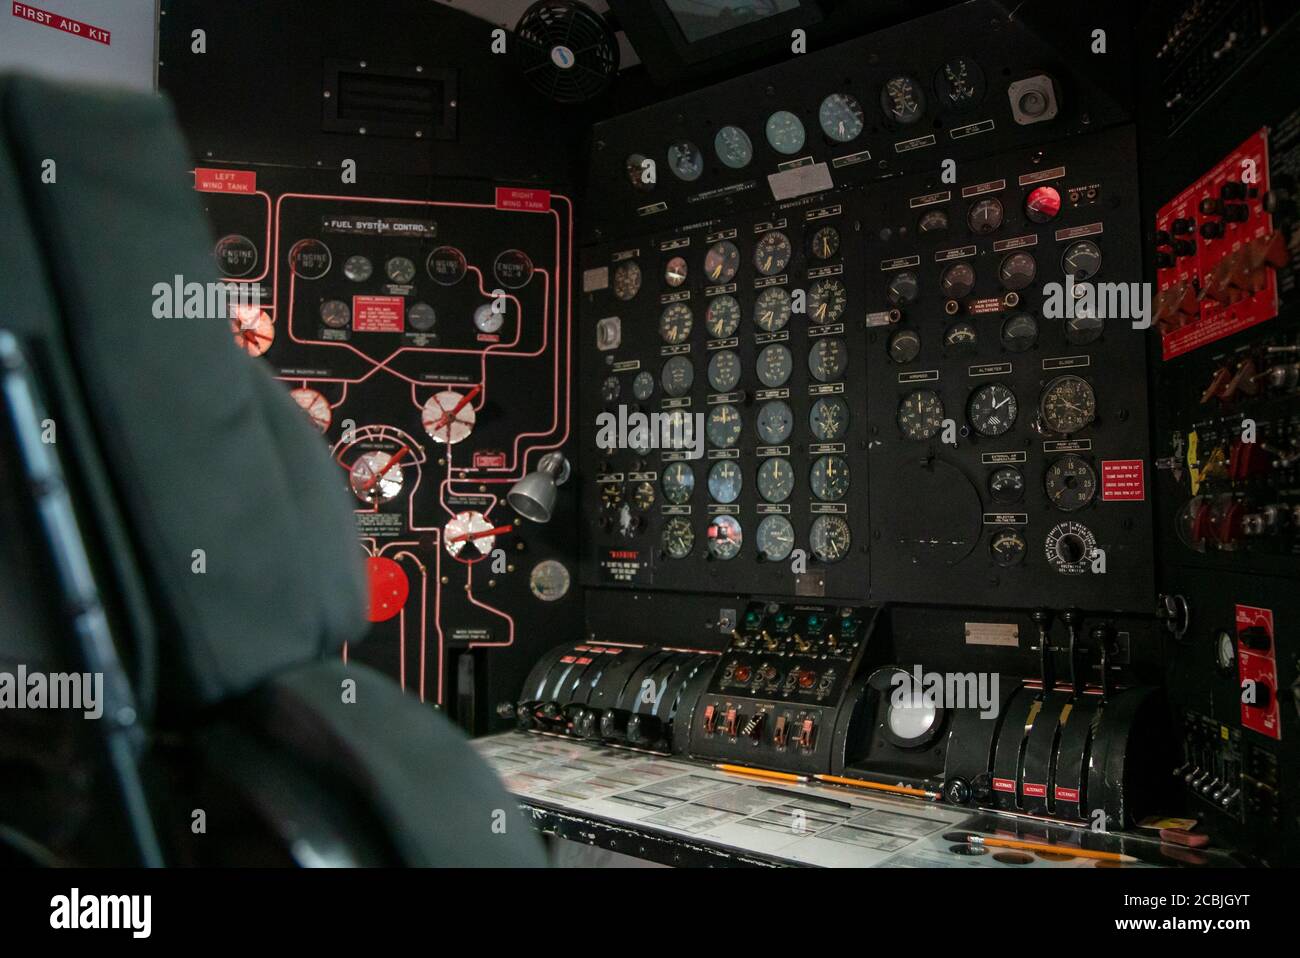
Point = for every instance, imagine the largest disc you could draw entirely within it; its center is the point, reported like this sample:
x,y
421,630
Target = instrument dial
x,y
1082,260
549,580
675,323
446,266
960,83
985,216
678,482
1084,326
724,370
957,280
722,316
335,314
677,377
1068,405
723,426
611,495
903,288
830,538
1019,332
775,364
675,271
468,535
448,417
358,268
377,476
315,405
733,146
775,479
400,270
677,538
824,243
725,537
490,317
643,496
1071,483
721,262
640,172
841,118
775,422
785,132
1042,204
829,418
643,385
920,414
829,478
933,221
772,253
1008,548
904,346
961,336
772,309
685,160
902,100
513,269
828,359
775,538
253,329
992,409
627,280
1070,547
422,317
827,299
1007,485
1017,271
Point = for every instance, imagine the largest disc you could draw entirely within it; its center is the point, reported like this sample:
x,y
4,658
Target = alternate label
x,y
523,201
225,181
378,314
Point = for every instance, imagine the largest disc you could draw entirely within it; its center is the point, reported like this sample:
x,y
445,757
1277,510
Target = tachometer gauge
x,y
904,346
903,288
733,146
643,496
722,316
772,309
933,221
1071,483
1008,548
448,416
1007,485
985,215
488,318
1068,405
643,385
829,418
992,409
827,299
513,269
1084,326
920,414
358,268
678,481
315,405
902,100
1017,270
675,272
470,536
640,172
335,314
785,132
772,253
724,481
959,83
840,116
828,359
775,422
685,160
1081,260
725,537
678,375
961,336
677,538
421,317
824,243
446,265
627,280
721,262
377,476
610,389
829,478
253,329
724,371
400,270
775,479
1019,332
775,364
675,323
775,538
957,280
723,426
830,538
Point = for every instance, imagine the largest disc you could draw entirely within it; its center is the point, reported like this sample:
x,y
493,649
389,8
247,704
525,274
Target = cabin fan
x,y
566,50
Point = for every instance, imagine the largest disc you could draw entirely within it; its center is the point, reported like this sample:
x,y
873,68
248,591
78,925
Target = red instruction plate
x,y
225,181
1122,480
378,314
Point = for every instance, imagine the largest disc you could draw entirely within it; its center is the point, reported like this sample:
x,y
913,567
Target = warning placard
x,y
225,181
1122,480
378,314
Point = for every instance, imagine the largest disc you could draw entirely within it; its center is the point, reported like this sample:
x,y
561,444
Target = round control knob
x,y
957,791
613,724
1071,548
644,729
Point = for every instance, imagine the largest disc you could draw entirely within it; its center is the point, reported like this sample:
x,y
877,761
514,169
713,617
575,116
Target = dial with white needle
x,y
468,529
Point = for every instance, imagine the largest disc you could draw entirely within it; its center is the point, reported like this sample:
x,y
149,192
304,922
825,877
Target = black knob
x,y
1232,190
1236,212
587,723
613,724
1184,247
957,791
1163,238
1182,226
981,789
524,715
1164,259
1257,638
1211,229
1210,206
644,729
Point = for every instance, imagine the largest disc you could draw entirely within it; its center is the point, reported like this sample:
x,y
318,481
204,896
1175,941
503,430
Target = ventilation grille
x,y
372,99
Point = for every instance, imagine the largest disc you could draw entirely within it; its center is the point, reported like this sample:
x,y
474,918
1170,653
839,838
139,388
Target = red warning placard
x,y
60,22
524,201
1122,480
378,314
1257,668
225,181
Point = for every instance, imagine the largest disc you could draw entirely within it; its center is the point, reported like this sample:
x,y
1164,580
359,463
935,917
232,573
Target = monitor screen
x,y
700,19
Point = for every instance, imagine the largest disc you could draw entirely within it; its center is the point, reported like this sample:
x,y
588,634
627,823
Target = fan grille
x,y
567,52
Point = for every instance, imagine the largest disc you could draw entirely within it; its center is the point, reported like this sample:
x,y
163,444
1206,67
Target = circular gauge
x,y
677,538
722,316
721,262
933,221
840,116
827,299
985,216
376,476
639,441
920,414
549,580
253,329
1008,548
315,405
824,243
400,270
772,309
957,280
422,317
992,409
1071,483
724,371
785,132
775,364
829,478
675,272
724,537
236,255
449,416
1068,405
640,172
775,538
903,288
610,389
1042,204
959,84
904,346
627,280
685,160
358,269
513,269
469,533
772,253
611,495
830,538
675,323
724,481
829,418
446,266
961,336
723,426
310,259
488,318
1084,326
678,481
1070,547
1006,485
733,147
1225,652
677,377
1081,260
643,497
335,314
643,385
902,100
1017,271
1019,332
828,359
775,479
775,422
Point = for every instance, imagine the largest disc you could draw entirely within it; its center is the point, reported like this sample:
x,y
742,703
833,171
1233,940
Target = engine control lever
x,y
1103,635
1072,618
1046,664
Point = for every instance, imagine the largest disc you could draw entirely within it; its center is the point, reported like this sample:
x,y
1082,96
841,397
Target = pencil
x,y
761,773
1049,849
879,786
